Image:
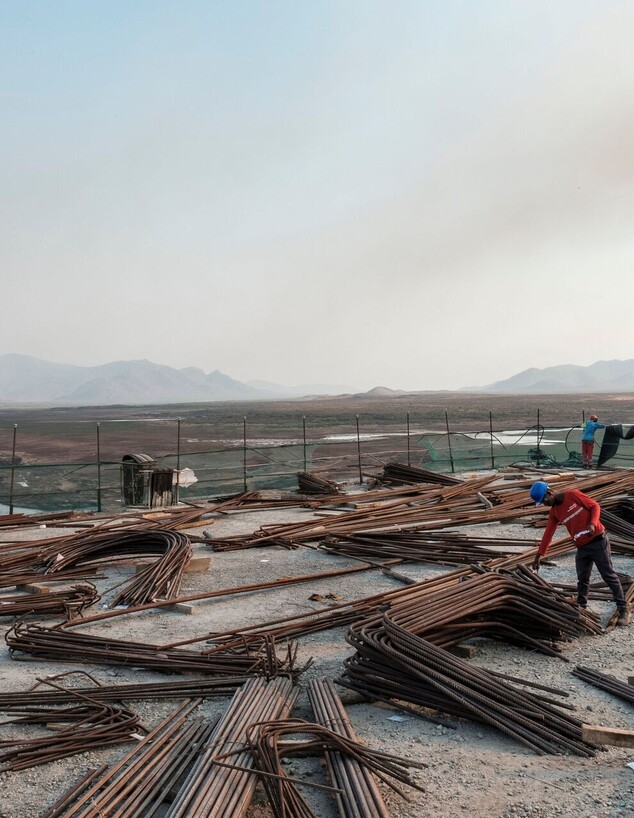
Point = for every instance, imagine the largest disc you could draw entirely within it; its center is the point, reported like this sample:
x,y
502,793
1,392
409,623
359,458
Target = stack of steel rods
x,y
620,530
68,601
26,520
139,783
64,556
596,590
605,682
90,725
220,791
313,484
399,473
160,579
146,691
518,608
439,548
55,644
431,508
359,791
396,664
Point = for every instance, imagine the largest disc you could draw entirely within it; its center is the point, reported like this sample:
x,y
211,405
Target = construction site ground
x,y
471,770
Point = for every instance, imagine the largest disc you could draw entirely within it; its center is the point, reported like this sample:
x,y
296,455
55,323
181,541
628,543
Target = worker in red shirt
x,y
581,516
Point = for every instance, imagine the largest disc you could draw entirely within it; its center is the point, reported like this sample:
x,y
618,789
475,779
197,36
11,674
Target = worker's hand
x,y
592,529
536,562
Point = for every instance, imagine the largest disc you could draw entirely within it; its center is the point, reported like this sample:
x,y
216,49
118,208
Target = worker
x,y
581,516
587,440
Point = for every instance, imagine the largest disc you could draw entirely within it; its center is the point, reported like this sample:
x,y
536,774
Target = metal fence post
x,y
98,468
359,452
178,459
453,469
409,459
244,451
539,452
491,433
304,433
13,464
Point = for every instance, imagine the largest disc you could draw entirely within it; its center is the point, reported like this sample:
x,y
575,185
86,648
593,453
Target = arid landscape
x,y
57,449
55,435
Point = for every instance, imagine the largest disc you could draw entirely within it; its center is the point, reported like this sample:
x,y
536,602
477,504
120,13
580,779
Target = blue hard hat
x,y
538,492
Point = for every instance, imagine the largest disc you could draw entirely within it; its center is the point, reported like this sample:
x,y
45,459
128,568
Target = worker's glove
x,y
536,562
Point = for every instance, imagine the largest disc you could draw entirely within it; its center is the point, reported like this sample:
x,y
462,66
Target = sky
x,y
401,193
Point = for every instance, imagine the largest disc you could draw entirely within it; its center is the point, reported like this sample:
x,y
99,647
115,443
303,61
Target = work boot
x,y
625,617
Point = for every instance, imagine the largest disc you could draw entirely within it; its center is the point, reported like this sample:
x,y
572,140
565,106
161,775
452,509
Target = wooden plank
x,y
34,588
181,607
595,734
198,564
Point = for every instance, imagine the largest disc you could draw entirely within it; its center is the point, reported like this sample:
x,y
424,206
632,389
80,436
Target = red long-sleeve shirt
x,y
576,512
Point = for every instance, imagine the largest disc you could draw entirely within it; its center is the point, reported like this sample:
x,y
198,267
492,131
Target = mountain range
x,y
24,380
602,376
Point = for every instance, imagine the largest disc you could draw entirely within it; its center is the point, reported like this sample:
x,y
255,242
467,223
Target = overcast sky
x,y
419,195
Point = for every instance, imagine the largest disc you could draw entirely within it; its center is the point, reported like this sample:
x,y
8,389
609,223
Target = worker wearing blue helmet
x,y
587,440
580,515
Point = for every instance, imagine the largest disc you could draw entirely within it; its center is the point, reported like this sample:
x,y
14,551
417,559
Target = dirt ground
x,y
472,770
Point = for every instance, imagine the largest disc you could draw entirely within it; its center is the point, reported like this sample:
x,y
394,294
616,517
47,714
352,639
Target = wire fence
x,y
243,463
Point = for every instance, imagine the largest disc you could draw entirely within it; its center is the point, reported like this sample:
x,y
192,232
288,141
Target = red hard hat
x,y
593,417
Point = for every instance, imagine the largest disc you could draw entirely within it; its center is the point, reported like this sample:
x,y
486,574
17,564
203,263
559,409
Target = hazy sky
x,y
413,194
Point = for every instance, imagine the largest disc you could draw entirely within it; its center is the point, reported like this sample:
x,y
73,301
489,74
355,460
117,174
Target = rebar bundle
x,y
146,691
605,682
64,556
68,601
621,531
314,484
138,784
401,653
399,473
439,547
428,508
360,796
55,644
83,726
396,664
515,607
219,791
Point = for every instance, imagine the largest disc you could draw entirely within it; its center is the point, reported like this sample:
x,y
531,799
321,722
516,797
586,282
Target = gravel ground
x,y
472,770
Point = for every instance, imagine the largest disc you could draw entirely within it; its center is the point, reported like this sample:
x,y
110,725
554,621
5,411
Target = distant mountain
x,y
24,379
602,376
382,392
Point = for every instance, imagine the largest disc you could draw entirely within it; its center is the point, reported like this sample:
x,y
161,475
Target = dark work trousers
x,y
597,552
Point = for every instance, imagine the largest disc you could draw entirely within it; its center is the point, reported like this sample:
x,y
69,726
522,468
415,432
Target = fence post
x,y
409,459
244,451
178,459
359,452
491,433
304,434
98,468
453,470
539,452
13,464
